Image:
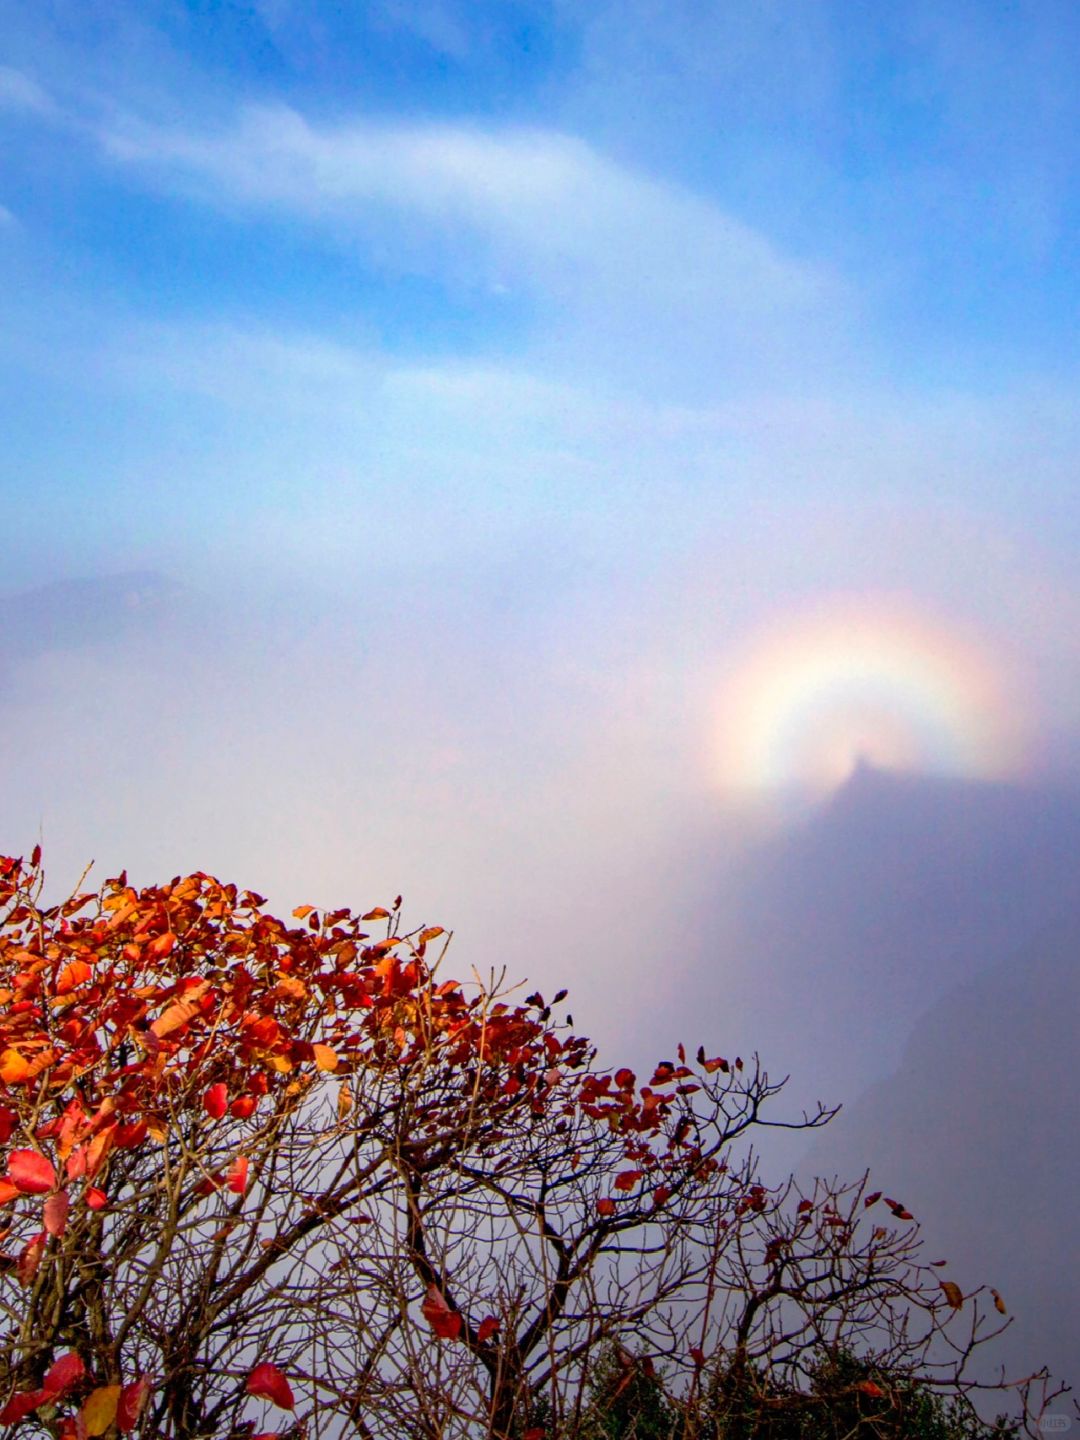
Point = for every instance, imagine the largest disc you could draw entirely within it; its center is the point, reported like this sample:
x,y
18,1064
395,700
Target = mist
x,y
608,475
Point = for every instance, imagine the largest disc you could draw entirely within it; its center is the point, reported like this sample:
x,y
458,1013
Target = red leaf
x,y
216,1101
29,1260
8,1191
535,1432
68,1370
697,1355
55,1212
130,1405
95,1198
625,1078
266,1382
8,1121
243,1106
627,1180
131,1135
486,1329
238,1174
867,1387
445,1322
31,1172
19,1406
606,1206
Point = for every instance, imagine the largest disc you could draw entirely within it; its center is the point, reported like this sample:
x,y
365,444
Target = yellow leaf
x,y
953,1294
325,1058
281,1063
99,1409
344,1102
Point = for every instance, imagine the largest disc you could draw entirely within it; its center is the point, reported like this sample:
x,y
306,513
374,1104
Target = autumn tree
x,y
253,1166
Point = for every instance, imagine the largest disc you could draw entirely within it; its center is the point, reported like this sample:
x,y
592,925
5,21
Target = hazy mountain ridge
x,y
911,950
978,1130
824,946
70,614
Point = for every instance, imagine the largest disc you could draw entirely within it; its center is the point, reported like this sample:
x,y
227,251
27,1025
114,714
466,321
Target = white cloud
x,y
19,92
434,23
639,260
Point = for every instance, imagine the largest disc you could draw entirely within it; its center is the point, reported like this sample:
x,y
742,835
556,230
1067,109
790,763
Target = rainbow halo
x,y
858,681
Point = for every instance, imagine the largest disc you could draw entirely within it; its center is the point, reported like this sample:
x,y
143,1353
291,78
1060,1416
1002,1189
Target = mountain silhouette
x,y
977,1131
821,947
69,614
911,949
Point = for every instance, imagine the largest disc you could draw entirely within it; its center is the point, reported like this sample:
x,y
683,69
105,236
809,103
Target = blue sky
x,y
570,343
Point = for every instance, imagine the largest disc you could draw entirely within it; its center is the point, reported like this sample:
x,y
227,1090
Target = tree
x,y
252,1163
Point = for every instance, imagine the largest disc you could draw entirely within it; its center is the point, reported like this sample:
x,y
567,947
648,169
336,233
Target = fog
x,y
609,475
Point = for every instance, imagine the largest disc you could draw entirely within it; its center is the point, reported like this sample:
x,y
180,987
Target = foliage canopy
x,y
258,1167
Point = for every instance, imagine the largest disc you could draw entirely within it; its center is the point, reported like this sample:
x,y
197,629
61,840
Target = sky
x,y
526,455
606,412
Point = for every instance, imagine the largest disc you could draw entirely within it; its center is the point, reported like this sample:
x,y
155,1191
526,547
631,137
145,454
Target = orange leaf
x,y
72,976
177,1015
96,1199
13,1067
266,1382
98,1148
999,1304
325,1058
8,1191
99,1409
31,1172
953,1294
867,1387
238,1175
